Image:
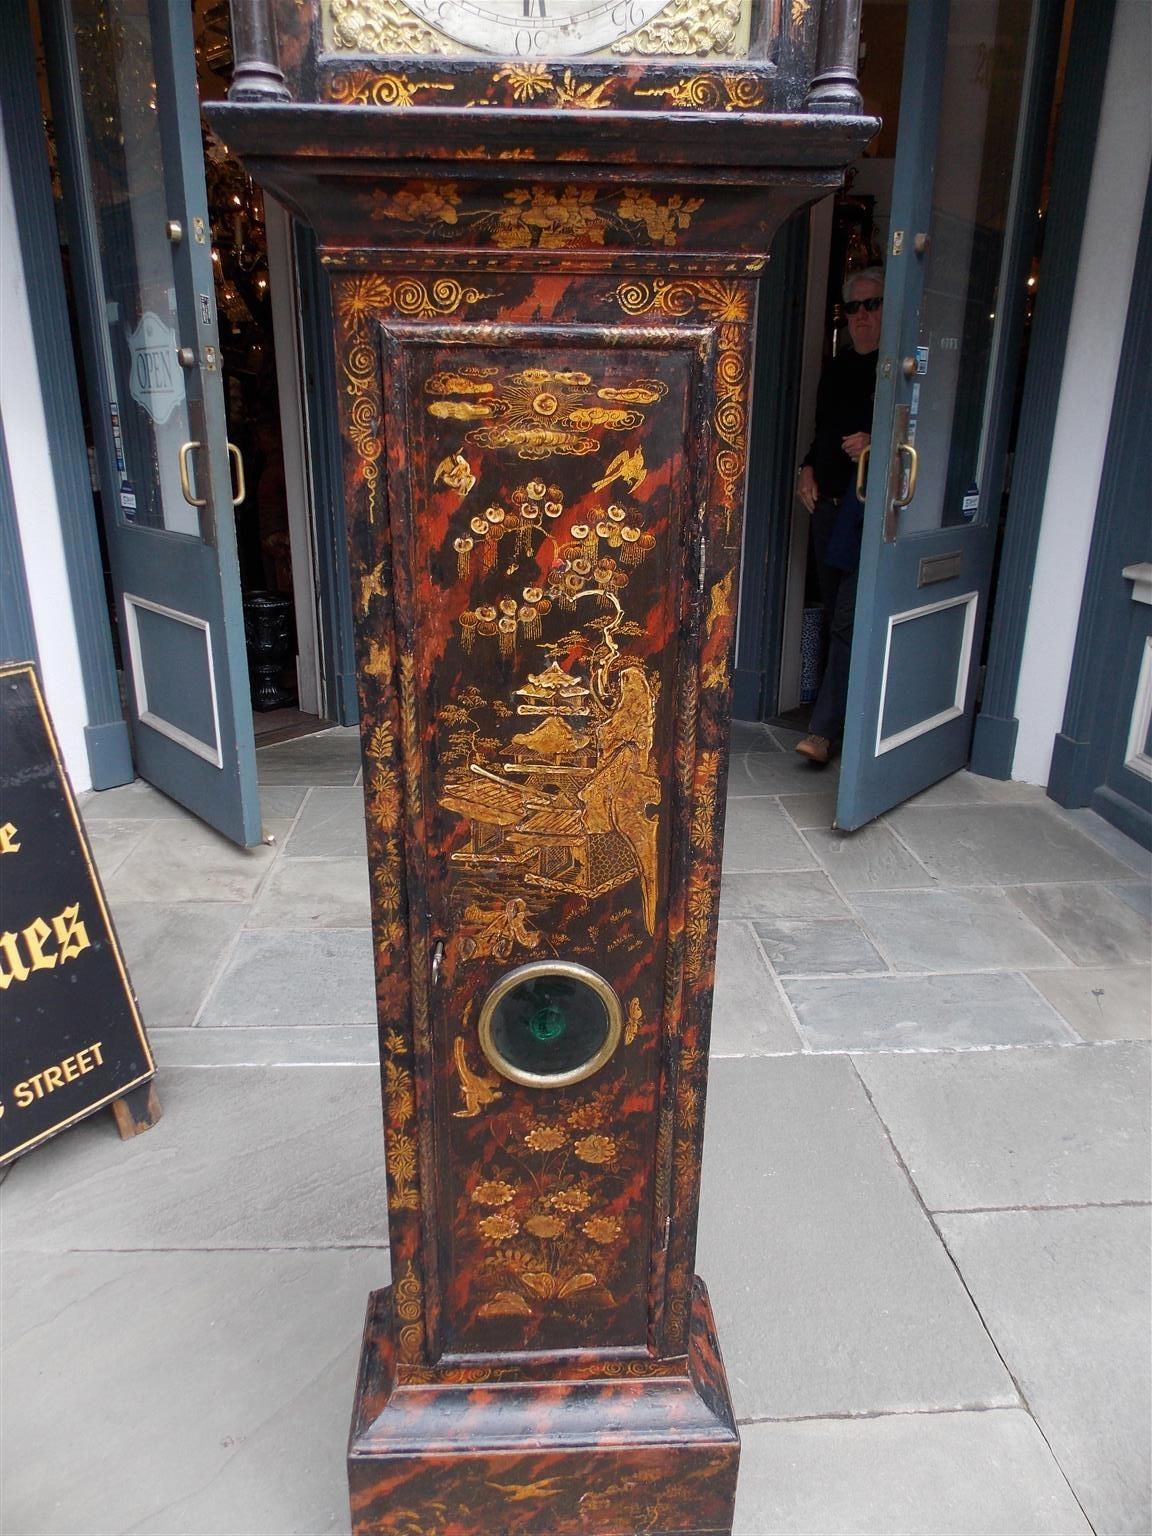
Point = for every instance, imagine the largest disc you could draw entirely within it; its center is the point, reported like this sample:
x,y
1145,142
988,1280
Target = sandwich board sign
x,y
71,1036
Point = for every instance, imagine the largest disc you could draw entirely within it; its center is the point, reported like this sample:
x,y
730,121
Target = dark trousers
x,y
838,594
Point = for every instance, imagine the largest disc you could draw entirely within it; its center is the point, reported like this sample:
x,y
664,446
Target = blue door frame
x,y
1110,686
106,731
926,567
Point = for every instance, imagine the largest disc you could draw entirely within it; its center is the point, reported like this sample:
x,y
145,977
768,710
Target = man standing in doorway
x,y
827,488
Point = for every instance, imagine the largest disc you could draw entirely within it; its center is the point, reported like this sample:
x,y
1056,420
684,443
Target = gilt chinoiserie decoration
x,y
544,222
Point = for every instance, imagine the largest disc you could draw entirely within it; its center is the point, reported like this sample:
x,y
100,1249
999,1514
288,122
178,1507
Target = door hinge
x,y
981,675
703,562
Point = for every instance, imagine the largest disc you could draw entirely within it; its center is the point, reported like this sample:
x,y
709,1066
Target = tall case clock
x,y
544,222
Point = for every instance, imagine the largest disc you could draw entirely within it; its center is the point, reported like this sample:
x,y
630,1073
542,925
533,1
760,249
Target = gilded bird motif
x,y
477,1091
626,466
455,472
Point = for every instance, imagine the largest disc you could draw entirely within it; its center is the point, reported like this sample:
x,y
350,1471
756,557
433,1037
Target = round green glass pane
x,y
548,1024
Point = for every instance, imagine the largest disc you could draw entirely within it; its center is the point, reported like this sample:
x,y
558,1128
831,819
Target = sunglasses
x,y
871,305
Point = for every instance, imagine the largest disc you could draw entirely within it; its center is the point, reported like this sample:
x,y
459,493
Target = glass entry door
x,y
128,130
935,471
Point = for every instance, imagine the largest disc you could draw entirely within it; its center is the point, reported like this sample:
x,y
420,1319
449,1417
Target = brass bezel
x,y
535,968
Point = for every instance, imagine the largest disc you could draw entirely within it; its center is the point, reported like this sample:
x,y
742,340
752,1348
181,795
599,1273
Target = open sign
x,y
156,382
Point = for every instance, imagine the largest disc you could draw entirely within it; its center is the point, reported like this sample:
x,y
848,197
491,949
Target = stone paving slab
x,y
269,1157
963,1474
814,809
832,1293
127,802
1101,1003
1136,894
759,836
238,1046
306,976
181,1394
173,951
280,802
1089,922
961,788
803,894
314,893
1002,845
923,1013
818,947
331,757
777,773
954,931
749,1016
184,860
870,859
112,841
752,736
1110,838
331,825
1067,1297
1028,1127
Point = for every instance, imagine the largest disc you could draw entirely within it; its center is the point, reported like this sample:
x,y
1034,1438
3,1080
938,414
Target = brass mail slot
x,y
938,568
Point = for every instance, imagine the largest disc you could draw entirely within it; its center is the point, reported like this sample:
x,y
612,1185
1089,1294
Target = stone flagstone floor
x,y
925,1220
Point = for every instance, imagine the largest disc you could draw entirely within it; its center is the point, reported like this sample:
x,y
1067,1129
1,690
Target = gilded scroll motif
x,y
712,92
536,217
727,304
359,301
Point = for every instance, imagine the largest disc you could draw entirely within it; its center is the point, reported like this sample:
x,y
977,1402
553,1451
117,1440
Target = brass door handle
x,y
240,488
185,480
913,470
862,473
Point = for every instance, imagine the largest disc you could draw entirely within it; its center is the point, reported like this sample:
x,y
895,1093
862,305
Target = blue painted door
x,y
952,297
128,126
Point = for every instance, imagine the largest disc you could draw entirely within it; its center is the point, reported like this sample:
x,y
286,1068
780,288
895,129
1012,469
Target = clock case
x,y
545,1360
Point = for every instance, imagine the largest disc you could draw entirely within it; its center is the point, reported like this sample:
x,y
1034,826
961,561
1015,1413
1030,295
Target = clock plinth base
x,y
600,1456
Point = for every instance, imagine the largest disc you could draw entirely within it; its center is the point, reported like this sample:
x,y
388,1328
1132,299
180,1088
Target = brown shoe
x,y
817,749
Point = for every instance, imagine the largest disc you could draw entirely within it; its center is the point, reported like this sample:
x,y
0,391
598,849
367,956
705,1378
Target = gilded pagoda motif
x,y
570,805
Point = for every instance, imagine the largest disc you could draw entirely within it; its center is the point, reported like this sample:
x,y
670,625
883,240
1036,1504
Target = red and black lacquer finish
x,y
543,342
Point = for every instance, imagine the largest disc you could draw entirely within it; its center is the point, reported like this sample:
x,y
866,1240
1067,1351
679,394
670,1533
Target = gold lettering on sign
x,y
48,1079
8,843
70,934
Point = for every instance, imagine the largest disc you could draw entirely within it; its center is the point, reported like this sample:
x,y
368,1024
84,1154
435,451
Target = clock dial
x,y
537,28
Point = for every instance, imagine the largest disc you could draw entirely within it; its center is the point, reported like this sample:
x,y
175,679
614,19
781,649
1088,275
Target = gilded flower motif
x,y
545,1138
500,1226
663,221
602,1229
571,1200
544,1226
586,1117
493,1192
527,81
419,202
596,1149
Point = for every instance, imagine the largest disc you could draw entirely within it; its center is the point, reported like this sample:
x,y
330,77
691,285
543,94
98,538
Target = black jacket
x,y
843,406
